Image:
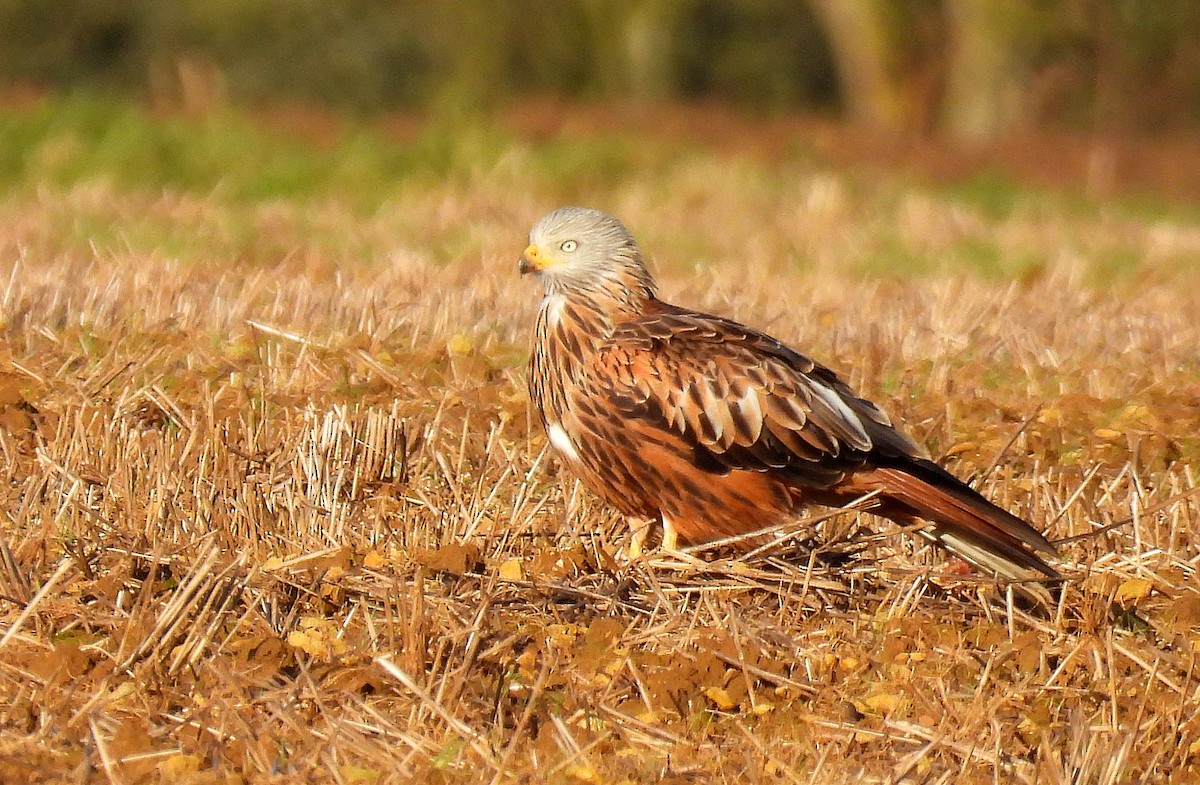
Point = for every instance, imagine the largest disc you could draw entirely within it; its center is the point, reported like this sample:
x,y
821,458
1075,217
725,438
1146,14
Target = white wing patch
x,y
851,420
553,304
562,442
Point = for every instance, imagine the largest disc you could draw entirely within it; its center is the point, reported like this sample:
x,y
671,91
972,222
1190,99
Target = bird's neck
x,y
616,293
580,323
596,309
571,327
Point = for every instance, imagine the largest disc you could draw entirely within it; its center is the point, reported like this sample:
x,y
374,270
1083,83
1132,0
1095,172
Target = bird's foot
x,y
670,537
640,529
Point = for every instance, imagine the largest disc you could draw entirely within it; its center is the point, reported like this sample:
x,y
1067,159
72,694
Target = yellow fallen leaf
x,y
460,345
528,658
562,635
585,774
307,643
784,692
1107,433
511,570
358,775
374,560
961,447
721,697
1135,412
453,557
317,637
1050,414
1038,717
1194,747
1133,590
883,702
179,767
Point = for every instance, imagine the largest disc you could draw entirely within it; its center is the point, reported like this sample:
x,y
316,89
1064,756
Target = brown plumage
x,y
714,428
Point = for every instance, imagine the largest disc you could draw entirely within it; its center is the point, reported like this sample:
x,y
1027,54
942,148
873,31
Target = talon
x,y
670,537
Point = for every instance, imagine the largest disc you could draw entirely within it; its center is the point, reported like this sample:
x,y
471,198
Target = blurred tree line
x,y
968,68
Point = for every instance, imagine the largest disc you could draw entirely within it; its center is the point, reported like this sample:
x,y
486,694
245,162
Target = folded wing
x,y
744,401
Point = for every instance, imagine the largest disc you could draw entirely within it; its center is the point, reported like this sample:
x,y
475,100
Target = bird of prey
x,y
717,429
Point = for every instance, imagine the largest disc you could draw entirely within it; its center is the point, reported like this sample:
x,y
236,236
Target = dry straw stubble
x,y
291,518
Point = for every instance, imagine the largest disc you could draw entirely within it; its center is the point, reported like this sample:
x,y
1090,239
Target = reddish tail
x,y
965,522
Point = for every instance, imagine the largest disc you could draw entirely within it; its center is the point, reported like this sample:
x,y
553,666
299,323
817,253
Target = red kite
x,y
714,428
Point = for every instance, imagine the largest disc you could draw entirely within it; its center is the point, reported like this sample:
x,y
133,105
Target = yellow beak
x,y
534,261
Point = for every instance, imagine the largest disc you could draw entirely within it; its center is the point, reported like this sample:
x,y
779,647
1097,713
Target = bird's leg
x,y
639,529
670,537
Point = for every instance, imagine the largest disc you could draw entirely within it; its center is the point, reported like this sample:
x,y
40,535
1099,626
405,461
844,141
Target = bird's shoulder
x,y
688,335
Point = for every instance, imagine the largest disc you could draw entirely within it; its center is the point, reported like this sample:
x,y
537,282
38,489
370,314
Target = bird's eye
x,y
568,246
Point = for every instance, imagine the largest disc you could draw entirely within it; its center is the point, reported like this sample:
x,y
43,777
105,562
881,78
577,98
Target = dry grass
x,y
272,506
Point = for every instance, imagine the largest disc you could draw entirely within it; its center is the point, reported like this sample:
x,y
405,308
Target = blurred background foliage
x,y
968,69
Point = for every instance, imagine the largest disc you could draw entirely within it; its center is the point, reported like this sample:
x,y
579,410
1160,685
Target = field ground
x,y
272,505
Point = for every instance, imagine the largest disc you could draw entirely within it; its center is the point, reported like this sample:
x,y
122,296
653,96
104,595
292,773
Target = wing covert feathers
x,y
736,393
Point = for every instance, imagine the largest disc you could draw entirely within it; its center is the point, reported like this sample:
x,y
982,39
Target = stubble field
x,y
273,505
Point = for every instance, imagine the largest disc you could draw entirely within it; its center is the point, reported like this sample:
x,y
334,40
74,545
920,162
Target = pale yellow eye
x,y
569,246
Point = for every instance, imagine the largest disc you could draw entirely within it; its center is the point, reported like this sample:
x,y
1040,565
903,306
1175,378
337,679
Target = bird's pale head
x,y
576,249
